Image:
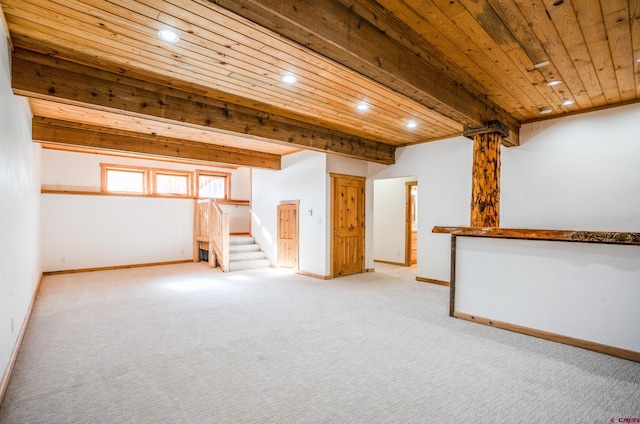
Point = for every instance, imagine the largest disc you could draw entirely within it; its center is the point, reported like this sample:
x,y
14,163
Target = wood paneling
x,y
48,79
116,121
89,136
442,63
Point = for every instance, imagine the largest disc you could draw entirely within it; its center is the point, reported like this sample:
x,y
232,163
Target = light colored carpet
x,y
186,344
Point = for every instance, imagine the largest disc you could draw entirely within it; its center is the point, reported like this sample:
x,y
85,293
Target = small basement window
x,y
171,183
124,179
215,185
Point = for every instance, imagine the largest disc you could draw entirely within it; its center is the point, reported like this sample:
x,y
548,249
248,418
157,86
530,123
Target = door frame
x,y
297,205
407,231
333,177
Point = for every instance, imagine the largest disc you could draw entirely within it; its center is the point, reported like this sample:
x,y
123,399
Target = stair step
x,y
239,248
241,265
246,256
240,240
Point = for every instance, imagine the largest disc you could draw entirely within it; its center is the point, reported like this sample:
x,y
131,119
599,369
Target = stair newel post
x,y
211,236
196,231
225,242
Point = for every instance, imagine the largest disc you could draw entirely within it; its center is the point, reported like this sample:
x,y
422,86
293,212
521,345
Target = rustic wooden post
x,y
485,186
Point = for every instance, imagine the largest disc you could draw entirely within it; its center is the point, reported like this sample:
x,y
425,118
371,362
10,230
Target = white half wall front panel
x,y
84,231
580,290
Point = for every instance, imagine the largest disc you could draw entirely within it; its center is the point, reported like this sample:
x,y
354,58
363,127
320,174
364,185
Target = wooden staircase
x,y
211,234
245,253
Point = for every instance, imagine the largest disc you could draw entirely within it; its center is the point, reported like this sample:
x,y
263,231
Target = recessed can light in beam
x,y
412,124
567,102
168,35
544,110
289,79
554,83
363,106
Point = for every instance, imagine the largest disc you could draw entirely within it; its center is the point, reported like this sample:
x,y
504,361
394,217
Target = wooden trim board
x,y
46,190
433,281
312,275
390,262
4,384
584,344
579,236
109,268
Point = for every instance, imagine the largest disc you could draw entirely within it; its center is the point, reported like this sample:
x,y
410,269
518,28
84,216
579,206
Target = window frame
x,y
227,182
175,172
104,180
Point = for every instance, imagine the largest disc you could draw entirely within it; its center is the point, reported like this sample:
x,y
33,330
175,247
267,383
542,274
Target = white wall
x,y
576,173
389,219
443,172
19,211
303,177
86,231
69,170
98,231
580,172
581,290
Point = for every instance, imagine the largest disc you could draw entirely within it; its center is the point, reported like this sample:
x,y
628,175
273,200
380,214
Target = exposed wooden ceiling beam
x,y
67,133
41,76
333,30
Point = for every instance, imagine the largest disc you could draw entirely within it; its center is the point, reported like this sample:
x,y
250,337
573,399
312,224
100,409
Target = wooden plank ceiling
x,y
96,70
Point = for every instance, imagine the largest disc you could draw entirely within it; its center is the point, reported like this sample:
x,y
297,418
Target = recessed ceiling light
x,y
567,102
168,35
544,110
638,60
541,64
362,106
412,124
289,79
554,83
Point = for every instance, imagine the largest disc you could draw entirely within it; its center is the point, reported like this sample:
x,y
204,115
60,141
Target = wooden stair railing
x,y
211,226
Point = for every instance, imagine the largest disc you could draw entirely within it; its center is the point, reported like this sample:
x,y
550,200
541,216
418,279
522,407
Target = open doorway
x,y
411,224
395,222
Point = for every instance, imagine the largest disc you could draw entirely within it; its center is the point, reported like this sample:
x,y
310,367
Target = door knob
x,y
335,233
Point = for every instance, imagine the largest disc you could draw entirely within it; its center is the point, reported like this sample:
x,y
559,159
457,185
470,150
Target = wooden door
x,y
288,235
347,222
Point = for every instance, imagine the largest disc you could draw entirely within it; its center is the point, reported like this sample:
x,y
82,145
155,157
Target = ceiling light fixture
x,y
168,35
554,83
412,124
638,60
544,110
289,79
541,64
362,106
567,102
